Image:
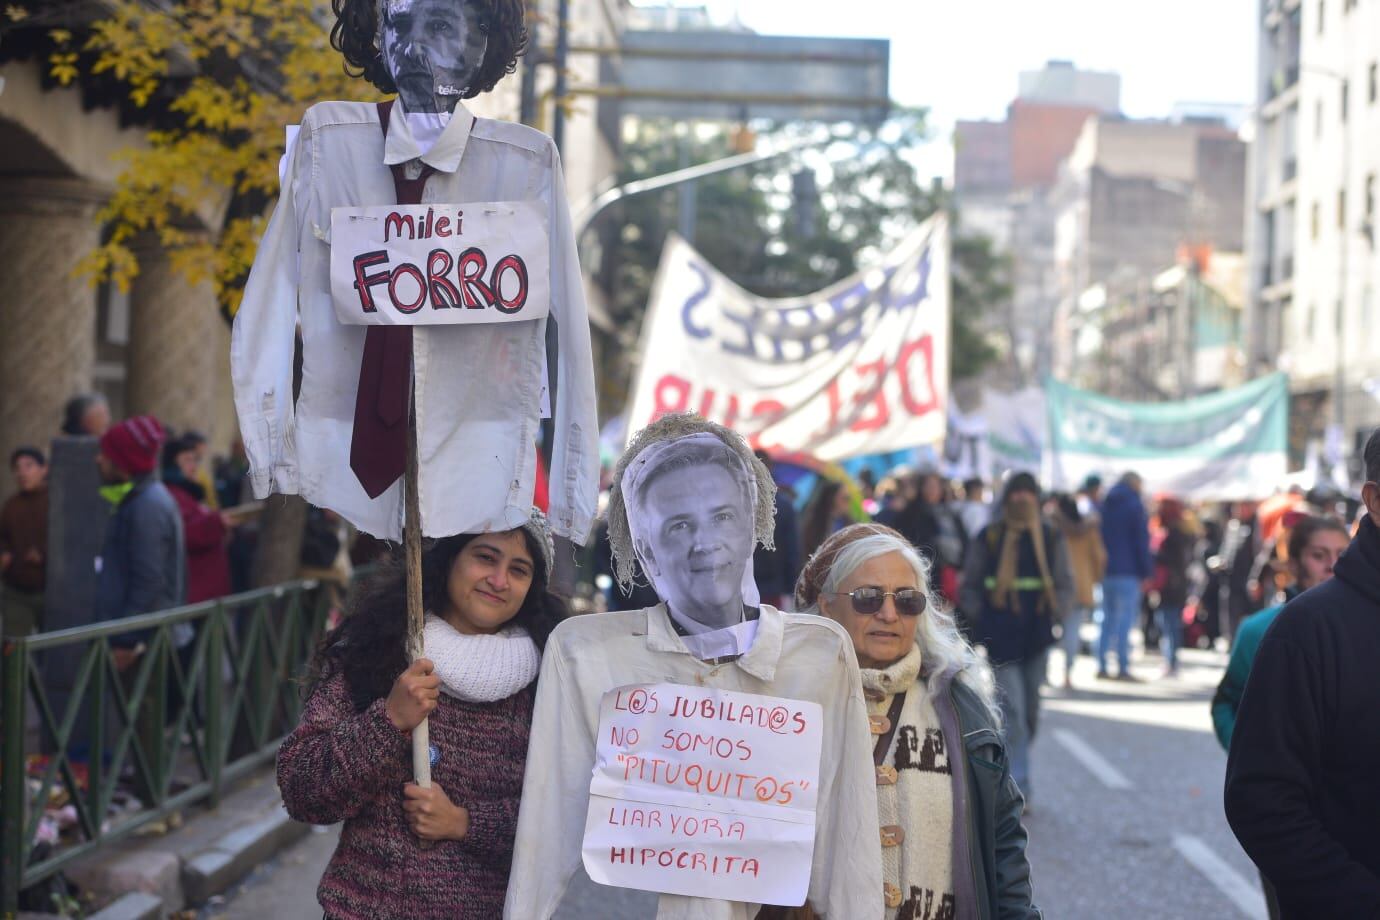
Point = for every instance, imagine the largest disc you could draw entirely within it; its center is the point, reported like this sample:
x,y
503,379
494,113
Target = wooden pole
x,y
412,559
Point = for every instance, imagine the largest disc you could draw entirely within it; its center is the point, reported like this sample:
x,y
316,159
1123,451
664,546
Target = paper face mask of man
x,y
690,511
432,49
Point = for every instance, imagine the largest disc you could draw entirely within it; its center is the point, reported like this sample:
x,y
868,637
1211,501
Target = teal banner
x,y
1226,445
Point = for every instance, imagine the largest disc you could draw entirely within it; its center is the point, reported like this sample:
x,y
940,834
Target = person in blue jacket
x,y
1126,534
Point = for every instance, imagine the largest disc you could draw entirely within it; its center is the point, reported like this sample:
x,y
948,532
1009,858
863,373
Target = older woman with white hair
x,y
951,836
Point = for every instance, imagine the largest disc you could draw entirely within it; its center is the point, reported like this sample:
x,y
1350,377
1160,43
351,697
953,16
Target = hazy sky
x,y
961,57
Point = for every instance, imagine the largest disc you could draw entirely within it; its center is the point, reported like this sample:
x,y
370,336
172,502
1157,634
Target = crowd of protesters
x,y
1000,582
179,523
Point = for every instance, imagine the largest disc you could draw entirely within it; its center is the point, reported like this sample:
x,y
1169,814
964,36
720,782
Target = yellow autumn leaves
x,y
220,79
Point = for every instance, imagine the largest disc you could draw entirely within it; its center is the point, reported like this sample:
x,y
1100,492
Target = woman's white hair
x,y
943,650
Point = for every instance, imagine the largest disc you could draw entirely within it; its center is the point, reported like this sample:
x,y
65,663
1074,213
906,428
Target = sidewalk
x,y
155,876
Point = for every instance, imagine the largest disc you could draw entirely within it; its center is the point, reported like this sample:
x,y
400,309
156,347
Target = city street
x,y
535,309
1127,821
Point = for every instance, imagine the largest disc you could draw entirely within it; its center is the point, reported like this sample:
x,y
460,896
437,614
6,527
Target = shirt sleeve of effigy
x,y
846,879
262,341
555,795
575,455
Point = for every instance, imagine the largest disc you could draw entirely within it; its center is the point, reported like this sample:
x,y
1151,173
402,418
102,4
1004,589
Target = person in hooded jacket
x,y
1126,534
1301,793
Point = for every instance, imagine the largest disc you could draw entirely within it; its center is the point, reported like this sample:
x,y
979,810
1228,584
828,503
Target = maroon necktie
x,y
378,446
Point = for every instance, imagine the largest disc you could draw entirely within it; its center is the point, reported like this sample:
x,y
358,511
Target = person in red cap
x,y
143,562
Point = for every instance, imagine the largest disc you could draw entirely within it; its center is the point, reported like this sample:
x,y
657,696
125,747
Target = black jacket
x,y
1302,791
996,837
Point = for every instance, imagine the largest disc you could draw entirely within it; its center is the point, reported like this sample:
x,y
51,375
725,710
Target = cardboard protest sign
x,y
440,264
704,792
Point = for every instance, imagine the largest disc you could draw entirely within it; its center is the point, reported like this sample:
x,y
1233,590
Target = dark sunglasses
x,y
910,602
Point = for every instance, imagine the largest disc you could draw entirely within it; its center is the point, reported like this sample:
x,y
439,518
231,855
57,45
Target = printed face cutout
x,y
690,511
432,49
699,535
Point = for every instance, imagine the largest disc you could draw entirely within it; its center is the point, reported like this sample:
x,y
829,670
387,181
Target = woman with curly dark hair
x,y
444,851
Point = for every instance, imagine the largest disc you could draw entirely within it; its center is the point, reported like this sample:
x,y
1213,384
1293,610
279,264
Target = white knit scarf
x,y
921,800
481,669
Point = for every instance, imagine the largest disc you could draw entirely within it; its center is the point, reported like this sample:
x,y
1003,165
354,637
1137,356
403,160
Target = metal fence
x,y
212,695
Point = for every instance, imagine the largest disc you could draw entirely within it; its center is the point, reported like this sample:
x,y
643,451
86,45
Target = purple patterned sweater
x,y
343,765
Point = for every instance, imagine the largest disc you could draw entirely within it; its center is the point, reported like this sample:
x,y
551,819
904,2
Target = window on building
x,y
1373,83
1314,220
1341,209
1310,321
1345,101
1322,6
1317,118
1370,196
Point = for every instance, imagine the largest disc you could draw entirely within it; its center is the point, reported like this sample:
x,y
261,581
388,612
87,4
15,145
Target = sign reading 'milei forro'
x,y
440,264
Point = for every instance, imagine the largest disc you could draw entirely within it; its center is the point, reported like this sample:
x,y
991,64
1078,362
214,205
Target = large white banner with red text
x,y
858,368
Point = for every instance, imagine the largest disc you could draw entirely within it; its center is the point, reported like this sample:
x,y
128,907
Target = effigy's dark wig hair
x,y
369,646
357,26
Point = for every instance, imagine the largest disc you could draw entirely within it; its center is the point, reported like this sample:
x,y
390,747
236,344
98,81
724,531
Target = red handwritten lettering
x,y
692,860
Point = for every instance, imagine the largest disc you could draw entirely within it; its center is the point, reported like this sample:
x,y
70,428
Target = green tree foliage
x,y
754,224
981,282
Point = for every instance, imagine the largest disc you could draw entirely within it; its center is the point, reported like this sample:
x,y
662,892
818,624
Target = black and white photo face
x,y
432,49
699,534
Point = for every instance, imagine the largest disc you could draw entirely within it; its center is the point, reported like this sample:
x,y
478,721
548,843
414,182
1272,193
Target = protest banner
x,y
1225,446
1005,434
966,451
704,792
861,367
440,264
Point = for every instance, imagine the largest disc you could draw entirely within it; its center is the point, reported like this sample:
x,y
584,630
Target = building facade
x,y
1311,228
1004,173
162,347
1131,197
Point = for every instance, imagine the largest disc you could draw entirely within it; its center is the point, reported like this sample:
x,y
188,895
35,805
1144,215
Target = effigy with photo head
x,y
710,748
416,256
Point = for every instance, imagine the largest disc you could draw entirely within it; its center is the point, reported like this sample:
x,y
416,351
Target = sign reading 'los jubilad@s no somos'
x,y
704,792
440,264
